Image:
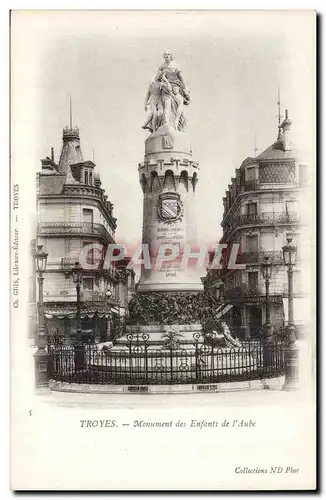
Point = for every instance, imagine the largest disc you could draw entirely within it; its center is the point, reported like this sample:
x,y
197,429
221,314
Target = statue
x,y
166,96
153,100
222,339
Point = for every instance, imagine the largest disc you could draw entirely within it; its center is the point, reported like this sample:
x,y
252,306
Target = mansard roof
x,y
51,184
276,152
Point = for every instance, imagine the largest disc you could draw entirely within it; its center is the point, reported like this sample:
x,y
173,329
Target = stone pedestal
x,y
168,177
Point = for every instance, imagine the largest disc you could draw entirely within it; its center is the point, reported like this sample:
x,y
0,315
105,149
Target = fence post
x,y
145,337
197,363
129,338
213,336
171,362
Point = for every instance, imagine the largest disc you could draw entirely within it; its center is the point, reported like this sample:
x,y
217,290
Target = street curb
x,y
275,383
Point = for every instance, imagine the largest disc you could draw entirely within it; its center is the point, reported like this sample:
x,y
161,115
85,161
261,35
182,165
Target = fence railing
x,y
139,364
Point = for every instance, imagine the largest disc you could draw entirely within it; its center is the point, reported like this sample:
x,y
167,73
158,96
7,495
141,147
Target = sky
x,y
233,62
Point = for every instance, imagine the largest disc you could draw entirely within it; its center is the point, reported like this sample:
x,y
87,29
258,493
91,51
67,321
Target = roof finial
x,y
255,147
93,155
70,112
279,136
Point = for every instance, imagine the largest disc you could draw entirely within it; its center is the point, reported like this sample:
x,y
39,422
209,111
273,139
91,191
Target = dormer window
x,y
88,177
251,174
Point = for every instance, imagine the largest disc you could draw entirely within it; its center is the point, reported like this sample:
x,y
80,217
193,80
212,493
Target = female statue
x,y
166,96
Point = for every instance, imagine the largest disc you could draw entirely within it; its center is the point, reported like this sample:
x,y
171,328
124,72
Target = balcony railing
x,y
276,257
256,293
250,186
95,296
261,218
267,218
71,228
68,263
241,291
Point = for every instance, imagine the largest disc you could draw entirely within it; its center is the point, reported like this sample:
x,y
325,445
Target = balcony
x,y
92,296
88,229
241,291
254,294
263,218
89,300
267,218
250,186
68,263
275,256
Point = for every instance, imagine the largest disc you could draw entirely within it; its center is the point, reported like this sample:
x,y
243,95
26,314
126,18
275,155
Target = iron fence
x,y
138,363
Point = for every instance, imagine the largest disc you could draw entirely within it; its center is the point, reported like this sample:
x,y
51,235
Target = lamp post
x,y
267,274
291,362
41,357
79,347
108,295
77,277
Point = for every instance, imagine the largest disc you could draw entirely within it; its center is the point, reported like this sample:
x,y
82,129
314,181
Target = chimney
x,y
286,127
52,154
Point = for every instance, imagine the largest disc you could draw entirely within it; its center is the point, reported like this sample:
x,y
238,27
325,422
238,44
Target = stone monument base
x,y
151,286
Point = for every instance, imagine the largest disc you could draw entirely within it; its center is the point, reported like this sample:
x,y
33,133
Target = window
x,y
252,208
88,284
87,215
86,177
252,244
90,253
253,280
251,174
90,178
303,175
292,208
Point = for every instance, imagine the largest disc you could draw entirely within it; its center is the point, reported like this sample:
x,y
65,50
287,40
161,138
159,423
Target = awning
x,y
72,314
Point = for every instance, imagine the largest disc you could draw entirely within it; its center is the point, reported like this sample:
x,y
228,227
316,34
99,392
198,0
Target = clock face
x,y
169,208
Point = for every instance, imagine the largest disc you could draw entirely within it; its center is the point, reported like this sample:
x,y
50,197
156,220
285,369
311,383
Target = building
x,y
261,209
73,211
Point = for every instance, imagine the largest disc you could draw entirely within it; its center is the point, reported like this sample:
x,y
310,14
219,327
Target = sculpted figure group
x,y
168,309
166,97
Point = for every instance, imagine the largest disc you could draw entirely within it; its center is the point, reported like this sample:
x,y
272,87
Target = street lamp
x,y
290,256
41,356
108,295
267,274
77,277
79,353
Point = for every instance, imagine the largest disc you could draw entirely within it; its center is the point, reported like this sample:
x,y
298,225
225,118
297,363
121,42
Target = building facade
x,y
73,212
261,209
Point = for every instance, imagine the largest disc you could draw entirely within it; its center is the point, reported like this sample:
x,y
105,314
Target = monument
x,y
168,177
173,333
170,301
170,291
